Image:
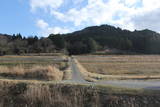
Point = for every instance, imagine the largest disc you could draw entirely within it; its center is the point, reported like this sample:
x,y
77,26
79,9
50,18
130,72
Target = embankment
x,y
39,94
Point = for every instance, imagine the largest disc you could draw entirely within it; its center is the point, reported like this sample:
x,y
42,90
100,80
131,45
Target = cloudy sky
x,y
42,17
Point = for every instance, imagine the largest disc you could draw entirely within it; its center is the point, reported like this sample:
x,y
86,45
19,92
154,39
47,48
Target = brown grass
x,y
87,75
37,72
18,94
121,67
67,74
30,61
29,94
34,67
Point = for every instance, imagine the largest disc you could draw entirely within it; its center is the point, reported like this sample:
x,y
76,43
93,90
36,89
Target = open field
x,y
33,67
42,85
123,66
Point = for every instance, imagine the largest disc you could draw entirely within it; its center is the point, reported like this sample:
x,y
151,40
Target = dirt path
x,y
76,75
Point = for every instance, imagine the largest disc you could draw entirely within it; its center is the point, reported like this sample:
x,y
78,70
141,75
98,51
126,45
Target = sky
x,y
43,17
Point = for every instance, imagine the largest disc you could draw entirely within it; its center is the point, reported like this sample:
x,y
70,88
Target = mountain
x,y
88,40
144,41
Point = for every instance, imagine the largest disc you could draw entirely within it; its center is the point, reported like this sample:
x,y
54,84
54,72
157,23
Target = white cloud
x,y
148,20
96,12
130,2
117,12
150,4
45,29
45,4
57,30
53,30
128,14
42,24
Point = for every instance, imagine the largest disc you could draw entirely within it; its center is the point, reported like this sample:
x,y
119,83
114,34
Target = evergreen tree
x,y
58,41
92,45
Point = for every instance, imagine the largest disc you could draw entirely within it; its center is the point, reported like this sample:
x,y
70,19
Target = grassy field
x,y
135,66
30,61
33,67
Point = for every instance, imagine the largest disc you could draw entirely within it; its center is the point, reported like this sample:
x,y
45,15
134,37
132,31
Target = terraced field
x,y
33,67
30,61
123,65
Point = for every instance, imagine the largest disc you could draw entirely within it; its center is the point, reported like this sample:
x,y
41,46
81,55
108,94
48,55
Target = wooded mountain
x,y
144,41
87,40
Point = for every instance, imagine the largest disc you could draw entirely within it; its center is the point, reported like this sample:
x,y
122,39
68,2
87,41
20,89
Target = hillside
x,y
145,41
88,40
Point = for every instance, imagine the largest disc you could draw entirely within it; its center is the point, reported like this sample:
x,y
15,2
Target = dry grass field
x,y
30,61
20,93
134,66
33,67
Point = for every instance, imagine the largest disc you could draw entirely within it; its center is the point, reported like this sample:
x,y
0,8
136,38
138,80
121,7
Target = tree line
x,y
16,44
88,40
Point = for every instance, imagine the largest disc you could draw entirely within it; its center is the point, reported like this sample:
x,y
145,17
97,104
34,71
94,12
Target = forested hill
x,y
88,40
105,36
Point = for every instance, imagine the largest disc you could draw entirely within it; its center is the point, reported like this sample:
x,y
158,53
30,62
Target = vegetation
x,y
29,61
121,67
39,94
34,67
109,37
67,74
35,73
17,45
33,78
88,40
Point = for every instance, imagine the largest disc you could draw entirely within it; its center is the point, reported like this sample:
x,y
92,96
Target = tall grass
x,y
36,72
18,94
23,94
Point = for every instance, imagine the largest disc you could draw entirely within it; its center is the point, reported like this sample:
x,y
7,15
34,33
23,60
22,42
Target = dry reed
x,y
37,72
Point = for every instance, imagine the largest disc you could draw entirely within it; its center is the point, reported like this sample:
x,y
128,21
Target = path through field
x,y
78,78
76,75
